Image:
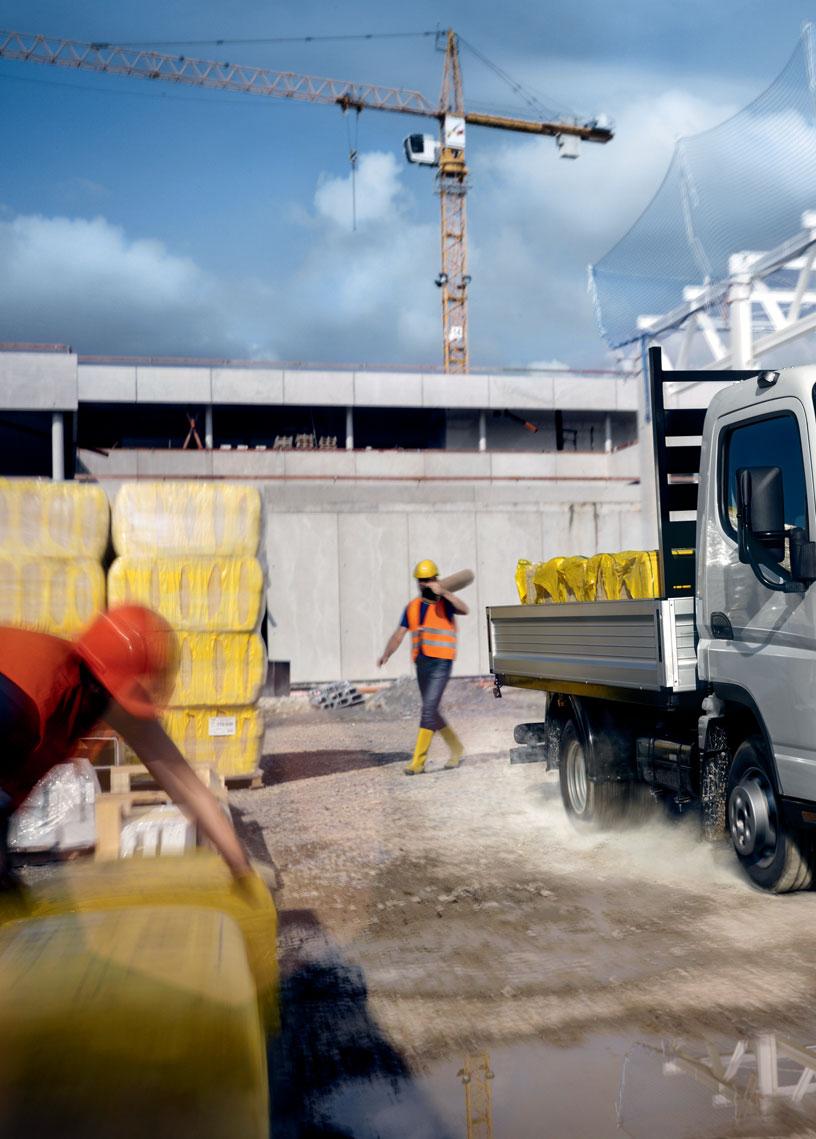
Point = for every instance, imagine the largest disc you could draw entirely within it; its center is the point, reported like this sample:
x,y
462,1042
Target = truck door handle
x,y
721,627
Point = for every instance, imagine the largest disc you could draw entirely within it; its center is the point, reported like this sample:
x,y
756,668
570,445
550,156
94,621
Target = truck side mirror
x,y
761,511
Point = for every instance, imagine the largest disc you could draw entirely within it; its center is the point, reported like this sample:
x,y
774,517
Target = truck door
x,y
752,638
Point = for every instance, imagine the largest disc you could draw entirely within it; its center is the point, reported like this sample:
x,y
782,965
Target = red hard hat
x,y
132,652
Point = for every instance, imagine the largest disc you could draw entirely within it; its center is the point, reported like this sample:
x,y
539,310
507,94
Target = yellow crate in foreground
x,y
130,1022
198,879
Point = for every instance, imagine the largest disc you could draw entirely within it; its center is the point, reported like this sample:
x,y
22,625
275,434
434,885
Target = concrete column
x,y
57,446
349,428
208,427
608,434
482,431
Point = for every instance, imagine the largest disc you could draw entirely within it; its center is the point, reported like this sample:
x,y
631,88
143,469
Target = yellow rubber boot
x,y
454,744
417,764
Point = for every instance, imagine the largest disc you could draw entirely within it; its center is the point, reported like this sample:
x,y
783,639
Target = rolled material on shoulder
x,y
192,593
196,517
47,519
456,581
230,739
51,595
219,668
130,1022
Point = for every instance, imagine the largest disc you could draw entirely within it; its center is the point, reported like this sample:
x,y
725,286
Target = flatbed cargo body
x,y
598,647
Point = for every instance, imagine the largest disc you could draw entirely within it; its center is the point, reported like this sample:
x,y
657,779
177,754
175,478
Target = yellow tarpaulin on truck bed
x,y
610,577
139,1023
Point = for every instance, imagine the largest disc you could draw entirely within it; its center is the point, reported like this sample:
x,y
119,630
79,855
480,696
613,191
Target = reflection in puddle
x,y
759,1086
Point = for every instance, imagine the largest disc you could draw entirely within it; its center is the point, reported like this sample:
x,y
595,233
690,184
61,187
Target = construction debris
x,y
339,695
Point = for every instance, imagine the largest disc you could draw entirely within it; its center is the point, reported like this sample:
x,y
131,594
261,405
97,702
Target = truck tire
x,y
773,856
589,805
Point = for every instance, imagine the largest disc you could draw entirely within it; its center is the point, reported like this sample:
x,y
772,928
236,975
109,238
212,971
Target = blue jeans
x,y
432,678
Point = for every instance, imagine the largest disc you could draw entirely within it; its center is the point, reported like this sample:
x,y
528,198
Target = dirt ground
x,y
475,914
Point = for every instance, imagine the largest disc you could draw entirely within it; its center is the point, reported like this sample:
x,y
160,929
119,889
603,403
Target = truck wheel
x,y
774,857
588,805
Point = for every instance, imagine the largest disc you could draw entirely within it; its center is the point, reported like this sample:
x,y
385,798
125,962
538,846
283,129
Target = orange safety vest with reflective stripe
x,y
436,637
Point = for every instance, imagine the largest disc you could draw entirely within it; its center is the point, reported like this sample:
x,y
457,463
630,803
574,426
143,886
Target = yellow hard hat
x,y
425,569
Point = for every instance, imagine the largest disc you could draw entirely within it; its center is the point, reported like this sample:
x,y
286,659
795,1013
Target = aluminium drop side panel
x,y
636,645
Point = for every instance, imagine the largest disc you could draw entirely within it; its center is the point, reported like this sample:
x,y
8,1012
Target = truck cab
x,y
733,732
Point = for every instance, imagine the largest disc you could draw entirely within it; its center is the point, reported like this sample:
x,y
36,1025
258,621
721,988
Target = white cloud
x,y
378,192
84,282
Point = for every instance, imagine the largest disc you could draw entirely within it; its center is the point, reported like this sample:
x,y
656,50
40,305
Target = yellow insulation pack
x,y
130,1022
53,519
219,668
52,595
228,738
198,879
168,518
196,594
609,577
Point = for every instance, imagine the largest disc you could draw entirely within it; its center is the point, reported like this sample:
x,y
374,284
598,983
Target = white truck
x,y
705,695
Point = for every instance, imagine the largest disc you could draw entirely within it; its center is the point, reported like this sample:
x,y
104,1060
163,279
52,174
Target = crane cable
x,y
353,154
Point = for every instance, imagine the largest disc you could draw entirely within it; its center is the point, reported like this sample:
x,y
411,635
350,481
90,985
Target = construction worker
x,y
431,619
52,692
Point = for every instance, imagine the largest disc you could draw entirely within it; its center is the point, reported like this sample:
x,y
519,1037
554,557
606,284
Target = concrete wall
x,y
340,549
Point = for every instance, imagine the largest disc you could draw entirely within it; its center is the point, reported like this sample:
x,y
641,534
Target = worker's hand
x,y
436,588
252,889
381,661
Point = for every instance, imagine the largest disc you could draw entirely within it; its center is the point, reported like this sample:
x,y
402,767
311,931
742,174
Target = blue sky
x,y
138,218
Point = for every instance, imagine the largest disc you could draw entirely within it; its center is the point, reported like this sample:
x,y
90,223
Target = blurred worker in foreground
x,y
52,692
432,622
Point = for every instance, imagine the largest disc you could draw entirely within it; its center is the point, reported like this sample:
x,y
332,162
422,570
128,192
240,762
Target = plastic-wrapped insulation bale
x,y
602,582
522,586
548,581
194,594
219,668
52,595
229,739
573,573
130,1022
53,519
59,814
193,518
198,879
640,575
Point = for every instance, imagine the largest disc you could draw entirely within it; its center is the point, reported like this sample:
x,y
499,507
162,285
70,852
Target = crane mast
x,y
452,174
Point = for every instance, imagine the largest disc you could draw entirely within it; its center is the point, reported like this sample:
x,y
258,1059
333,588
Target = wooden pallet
x,y
121,800
249,782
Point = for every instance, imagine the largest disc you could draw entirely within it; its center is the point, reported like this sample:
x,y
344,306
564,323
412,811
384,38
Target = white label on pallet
x,y
222,726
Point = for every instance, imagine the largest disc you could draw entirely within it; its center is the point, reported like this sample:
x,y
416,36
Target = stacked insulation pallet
x,y
53,537
189,551
602,577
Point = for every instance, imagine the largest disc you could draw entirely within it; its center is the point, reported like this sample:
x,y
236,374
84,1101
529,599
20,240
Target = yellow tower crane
x,y
447,155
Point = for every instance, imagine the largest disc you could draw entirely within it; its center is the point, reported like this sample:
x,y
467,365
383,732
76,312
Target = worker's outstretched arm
x,y
174,775
394,642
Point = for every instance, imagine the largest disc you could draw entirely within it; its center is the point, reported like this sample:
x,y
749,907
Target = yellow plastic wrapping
x,y
198,879
228,738
219,668
53,519
196,594
198,518
52,595
522,567
131,1022
603,577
